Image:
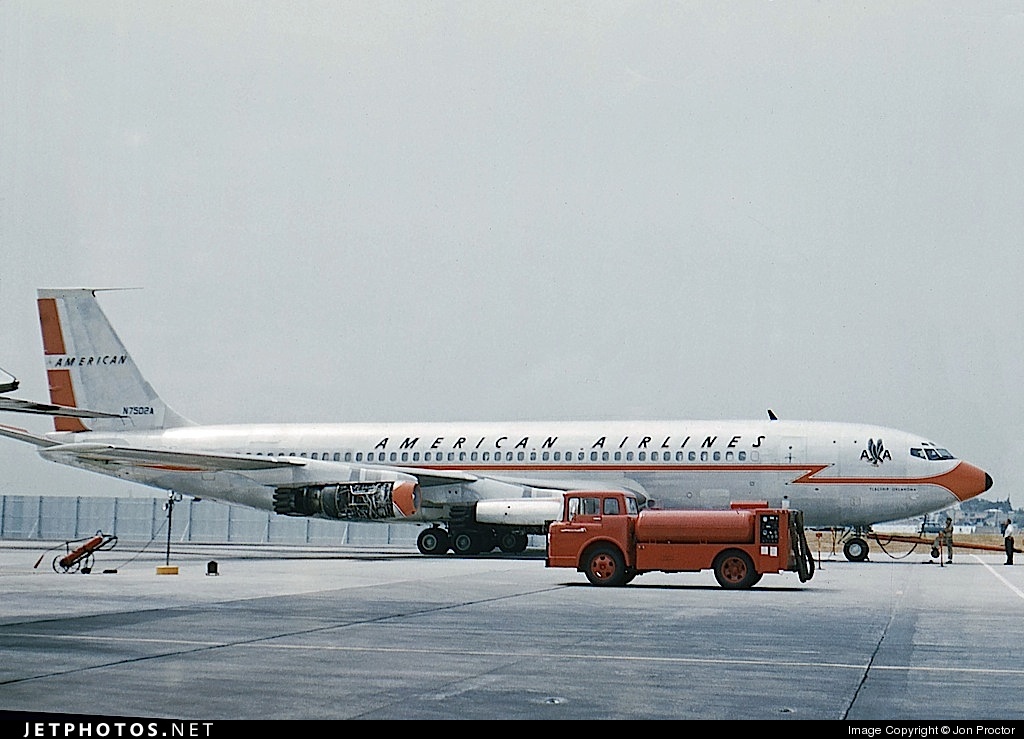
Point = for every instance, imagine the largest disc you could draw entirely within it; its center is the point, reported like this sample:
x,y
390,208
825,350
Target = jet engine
x,y
367,501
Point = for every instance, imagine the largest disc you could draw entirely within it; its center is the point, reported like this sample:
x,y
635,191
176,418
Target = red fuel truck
x,y
605,536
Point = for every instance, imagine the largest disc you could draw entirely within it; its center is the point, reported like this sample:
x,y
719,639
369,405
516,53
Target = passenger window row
x,y
546,456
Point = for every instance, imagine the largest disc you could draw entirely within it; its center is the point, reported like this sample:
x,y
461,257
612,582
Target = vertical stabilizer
x,y
87,366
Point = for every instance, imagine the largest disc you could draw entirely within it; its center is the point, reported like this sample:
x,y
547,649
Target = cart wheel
x,y
58,567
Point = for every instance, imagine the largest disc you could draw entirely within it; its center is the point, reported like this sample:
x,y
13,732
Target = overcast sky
x,y
357,211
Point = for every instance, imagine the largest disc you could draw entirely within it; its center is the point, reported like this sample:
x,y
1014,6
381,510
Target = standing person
x,y
947,535
1008,531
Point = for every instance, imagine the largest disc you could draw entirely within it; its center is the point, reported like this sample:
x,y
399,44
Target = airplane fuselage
x,y
838,474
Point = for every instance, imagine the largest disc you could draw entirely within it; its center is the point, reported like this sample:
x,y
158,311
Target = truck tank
x,y
696,527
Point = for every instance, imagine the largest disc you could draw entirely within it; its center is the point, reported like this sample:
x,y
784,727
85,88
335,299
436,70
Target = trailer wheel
x,y
605,565
856,549
432,541
735,570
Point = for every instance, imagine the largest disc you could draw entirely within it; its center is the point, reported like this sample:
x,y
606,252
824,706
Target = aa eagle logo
x,y
875,453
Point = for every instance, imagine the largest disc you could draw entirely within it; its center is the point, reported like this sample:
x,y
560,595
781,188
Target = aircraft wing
x,y
571,485
432,478
429,478
181,461
48,409
208,462
509,500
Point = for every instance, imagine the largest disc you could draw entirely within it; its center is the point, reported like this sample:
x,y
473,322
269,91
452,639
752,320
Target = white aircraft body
x,y
481,485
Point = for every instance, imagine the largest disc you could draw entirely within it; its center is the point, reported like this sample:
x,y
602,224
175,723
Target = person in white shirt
x,y
1008,531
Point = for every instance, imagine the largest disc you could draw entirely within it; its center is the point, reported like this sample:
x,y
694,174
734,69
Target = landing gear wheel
x,y
513,542
735,570
856,549
605,566
432,541
465,542
485,541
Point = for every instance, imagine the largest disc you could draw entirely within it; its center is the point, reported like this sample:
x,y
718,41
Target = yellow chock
x,y
167,570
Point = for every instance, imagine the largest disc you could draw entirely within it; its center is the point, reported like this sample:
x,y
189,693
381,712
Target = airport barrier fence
x,y
141,520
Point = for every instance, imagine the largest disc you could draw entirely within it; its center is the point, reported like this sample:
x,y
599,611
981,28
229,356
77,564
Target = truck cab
x,y
589,519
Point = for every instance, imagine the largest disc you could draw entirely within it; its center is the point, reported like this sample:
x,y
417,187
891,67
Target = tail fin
x,y
87,366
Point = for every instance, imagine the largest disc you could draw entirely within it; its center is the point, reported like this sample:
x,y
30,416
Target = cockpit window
x,y
931,453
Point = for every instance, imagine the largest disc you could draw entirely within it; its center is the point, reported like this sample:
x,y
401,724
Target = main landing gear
x,y
856,549
854,541
477,540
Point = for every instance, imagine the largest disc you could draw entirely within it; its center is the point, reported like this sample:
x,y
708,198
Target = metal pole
x,y
170,511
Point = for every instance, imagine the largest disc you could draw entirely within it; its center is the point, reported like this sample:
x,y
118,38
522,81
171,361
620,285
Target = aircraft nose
x,y
967,481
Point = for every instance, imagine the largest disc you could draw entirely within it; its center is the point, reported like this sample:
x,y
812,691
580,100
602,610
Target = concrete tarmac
x,y
349,633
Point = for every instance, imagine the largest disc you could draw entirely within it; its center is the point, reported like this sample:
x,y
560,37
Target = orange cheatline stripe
x,y
49,322
963,476
953,480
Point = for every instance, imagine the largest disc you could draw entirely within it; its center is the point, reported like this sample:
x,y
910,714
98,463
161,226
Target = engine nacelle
x,y
366,501
519,512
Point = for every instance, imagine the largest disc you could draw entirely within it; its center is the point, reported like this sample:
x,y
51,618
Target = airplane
x,y
473,486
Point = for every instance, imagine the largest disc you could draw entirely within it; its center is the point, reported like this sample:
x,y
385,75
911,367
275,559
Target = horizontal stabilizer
x,y
12,432
8,382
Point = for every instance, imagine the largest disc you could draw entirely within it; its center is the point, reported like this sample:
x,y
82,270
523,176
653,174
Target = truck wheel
x,y
734,570
432,541
605,566
856,549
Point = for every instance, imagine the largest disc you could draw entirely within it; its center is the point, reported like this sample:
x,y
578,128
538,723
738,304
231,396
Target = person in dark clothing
x,y
1008,531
